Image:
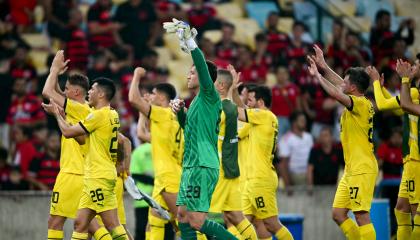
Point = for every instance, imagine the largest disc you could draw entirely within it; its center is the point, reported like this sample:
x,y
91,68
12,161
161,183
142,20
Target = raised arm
x,y
134,96
407,72
329,87
330,75
50,90
67,130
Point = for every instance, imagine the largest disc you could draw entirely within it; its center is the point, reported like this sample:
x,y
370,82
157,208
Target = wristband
x,y
191,44
405,80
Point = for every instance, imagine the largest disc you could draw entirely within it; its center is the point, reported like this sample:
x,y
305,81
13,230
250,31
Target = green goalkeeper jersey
x,y
202,120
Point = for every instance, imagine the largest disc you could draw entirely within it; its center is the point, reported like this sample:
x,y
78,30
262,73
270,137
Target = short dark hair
x,y
263,93
381,13
358,77
229,25
107,85
212,70
79,80
295,115
260,37
166,88
299,23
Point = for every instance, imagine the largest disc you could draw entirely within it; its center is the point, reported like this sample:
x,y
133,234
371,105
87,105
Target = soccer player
x,y
259,200
408,72
69,183
406,203
227,196
101,125
356,187
200,166
166,139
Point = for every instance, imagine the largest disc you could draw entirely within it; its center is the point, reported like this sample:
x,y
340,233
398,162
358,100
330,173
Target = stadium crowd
x,y
111,39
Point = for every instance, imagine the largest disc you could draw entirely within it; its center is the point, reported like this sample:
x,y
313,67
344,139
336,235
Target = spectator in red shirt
x,y
277,41
227,48
382,38
21,67
25,108
398,52
209,51
298,49
286,99
167,9
202,16
390,155
103,32
77,45
154,73
44,169
336,46
250,71
263,57
57,16
21,12
25,151
16,182
4,167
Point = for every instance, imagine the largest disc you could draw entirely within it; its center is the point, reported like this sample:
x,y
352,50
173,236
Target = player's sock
x,y
232,229
119,233
157,227
212,228
55,234
284,234
367,232
404,224
246,230
102,234
201,236
416,230
187,232
350,229
79,236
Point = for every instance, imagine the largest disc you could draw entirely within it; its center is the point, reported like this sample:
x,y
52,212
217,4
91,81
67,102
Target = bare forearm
x,y
284,166
237,99
332,76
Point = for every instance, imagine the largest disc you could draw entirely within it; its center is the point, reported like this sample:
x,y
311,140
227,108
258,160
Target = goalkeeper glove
x,y
185,33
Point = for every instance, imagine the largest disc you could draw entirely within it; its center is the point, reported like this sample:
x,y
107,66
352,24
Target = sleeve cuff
x,y
150,112
84,128
398,100
246,115
350,108
65,104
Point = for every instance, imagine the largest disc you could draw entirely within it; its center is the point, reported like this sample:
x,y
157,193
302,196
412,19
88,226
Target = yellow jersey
x,y
167,140
243,135
102,127
72,157
262,142
356,137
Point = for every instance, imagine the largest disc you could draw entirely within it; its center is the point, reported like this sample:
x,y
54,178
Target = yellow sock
x,y
404,224
79,236
416,230
284,234
201,236
350,229
232,229
157,227
55,234
367,232
102,234
246,230
119,233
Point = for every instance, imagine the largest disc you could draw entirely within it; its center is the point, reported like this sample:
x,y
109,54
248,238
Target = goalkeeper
x,y
200,166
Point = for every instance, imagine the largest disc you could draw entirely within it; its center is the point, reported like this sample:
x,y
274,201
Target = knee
x,y
55,223
362,218
272,224
403,205
339,216
79,225
234,217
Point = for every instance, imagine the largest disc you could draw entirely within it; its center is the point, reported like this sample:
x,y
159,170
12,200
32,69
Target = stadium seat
x,y
304,11
371,7
172,43
229,10
37,40
285,24
358,24
287,5
178,71
260,10
213,35
164,56
39,59
84,8
245,30
407,8
342,7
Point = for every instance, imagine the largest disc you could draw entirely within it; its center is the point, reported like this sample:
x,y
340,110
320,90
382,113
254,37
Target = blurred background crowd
x,y
267,41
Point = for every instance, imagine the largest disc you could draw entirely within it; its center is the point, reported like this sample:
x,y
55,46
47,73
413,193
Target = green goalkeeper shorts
x,y
197,187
